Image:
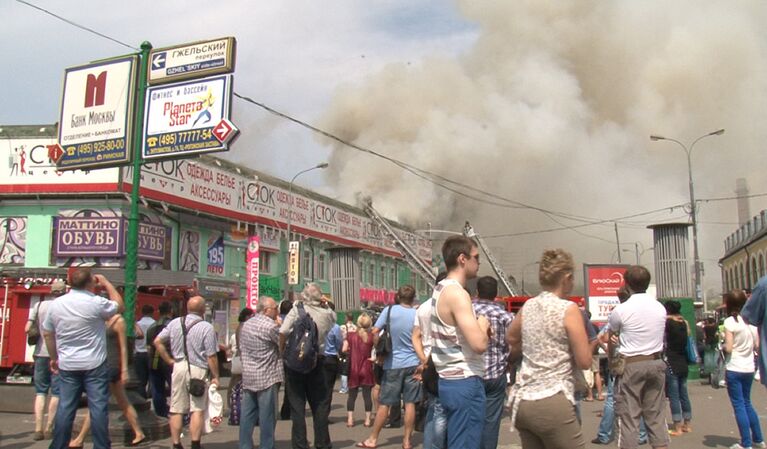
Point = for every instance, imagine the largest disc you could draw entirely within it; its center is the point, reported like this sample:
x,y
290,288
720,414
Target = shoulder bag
x,y
384,345
197,387
33,336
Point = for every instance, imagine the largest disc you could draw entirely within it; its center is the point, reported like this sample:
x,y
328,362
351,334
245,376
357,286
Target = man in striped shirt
x,y
496,358
261,374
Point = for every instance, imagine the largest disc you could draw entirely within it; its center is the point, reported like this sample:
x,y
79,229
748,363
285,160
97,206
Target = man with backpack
x,y
159,371
302,341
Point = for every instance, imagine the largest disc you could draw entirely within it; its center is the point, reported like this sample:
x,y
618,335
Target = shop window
x,y
265,262
321,267
307,266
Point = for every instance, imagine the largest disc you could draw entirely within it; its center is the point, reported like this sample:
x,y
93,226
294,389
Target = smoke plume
x,y
553,106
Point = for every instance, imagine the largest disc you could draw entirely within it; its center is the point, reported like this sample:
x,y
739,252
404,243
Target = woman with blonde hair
x,y
359,346
550,336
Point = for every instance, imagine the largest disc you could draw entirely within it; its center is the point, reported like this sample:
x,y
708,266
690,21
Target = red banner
x,y
602,284
254,244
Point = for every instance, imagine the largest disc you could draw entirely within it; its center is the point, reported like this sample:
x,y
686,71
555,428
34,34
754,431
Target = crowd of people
x,y
451,365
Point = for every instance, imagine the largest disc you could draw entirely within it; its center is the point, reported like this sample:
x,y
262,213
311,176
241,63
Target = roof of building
x,y
750,232
16,131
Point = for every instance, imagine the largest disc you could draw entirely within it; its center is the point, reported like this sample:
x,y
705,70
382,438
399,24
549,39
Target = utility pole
x,y
617,240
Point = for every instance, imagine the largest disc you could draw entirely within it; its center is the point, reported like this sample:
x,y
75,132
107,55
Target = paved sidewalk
x,y
713,426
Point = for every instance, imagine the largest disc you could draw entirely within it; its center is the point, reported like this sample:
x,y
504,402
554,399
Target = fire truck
x,y
20,292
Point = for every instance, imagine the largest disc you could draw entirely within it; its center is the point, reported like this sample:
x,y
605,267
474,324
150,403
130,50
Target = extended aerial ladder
x,y
411,256
508,282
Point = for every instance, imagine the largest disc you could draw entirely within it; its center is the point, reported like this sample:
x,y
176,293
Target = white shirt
x,y
77,318
641,322
423,321
741,359
143,324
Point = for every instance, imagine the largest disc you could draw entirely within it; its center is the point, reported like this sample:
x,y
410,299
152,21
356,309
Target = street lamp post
x,y
693,208
323,165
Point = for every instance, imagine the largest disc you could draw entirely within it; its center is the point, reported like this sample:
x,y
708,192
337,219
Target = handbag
x,y
197,387
33,336
430,377
384,345
691,349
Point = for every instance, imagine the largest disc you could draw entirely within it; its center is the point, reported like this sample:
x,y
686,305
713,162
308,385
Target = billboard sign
x,y
191,60
78,236
216,255
96,121
188,118
293,260
601,284
253,271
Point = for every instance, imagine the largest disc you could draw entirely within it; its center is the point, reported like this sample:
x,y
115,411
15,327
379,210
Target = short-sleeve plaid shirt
x,y
497,354
260,354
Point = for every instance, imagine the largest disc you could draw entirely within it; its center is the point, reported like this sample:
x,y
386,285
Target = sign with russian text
x,y
601,284
293,260
216,255
203,185
152,241
95,125
191,60
181,117
252,271
78,236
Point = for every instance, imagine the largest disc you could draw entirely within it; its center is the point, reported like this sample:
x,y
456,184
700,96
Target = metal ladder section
x,y
411,257
508,282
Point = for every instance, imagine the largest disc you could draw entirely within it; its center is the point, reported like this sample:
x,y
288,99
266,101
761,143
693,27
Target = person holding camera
x,y
194,346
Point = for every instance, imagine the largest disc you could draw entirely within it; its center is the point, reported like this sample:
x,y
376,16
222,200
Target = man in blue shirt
x,y
75,334
753,312
399,367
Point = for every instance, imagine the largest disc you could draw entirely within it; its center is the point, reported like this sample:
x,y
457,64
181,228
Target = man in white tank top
x,y
459,340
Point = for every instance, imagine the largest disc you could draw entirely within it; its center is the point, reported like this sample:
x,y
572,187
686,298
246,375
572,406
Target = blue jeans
x,y
159,380
739,390
495,396
258,406
464,403
95,383
435,429
607,424
676,389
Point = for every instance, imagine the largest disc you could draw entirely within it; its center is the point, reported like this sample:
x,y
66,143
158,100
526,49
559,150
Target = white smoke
x,y
553,106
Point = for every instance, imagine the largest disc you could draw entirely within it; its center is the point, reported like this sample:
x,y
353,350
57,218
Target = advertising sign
x,y
78,236
152,240
30,170
181,118
95,125
293,260
216,255
203,185
601,284
252,272
191,60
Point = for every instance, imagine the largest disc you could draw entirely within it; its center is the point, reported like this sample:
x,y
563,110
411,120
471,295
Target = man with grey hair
x,y
311,386
261,374
45,381
192,362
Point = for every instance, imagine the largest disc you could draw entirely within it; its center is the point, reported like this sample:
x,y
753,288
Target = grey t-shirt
x,y
78,320
323,317
39,311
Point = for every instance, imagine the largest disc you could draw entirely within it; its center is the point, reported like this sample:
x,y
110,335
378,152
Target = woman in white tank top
x,y
550,336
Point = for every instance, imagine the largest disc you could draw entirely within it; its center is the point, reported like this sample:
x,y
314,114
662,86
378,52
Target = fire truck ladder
x,y
411,257
508,282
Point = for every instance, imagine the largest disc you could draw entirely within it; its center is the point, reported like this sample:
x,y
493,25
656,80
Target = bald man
x,y
201,347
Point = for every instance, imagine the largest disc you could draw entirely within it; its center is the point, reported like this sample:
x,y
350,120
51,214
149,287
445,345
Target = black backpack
x,y
152,332
303,344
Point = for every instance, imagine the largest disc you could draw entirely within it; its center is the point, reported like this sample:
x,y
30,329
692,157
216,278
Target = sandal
x,y
364,445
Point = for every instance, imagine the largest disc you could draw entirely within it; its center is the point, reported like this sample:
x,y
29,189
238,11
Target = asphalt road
x,y
713,426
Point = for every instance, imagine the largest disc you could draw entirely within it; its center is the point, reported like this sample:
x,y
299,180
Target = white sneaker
x,y
738,446
760,444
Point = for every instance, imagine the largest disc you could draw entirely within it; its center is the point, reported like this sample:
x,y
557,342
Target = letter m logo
x,y
95,88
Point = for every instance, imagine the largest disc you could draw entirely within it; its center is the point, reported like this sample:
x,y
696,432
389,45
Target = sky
x,y
545,103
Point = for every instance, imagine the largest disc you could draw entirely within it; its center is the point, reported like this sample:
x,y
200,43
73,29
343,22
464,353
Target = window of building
x,y
321,267
741,277
307,265
384,283
754,272
761,266
393,276
265,262
372,274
